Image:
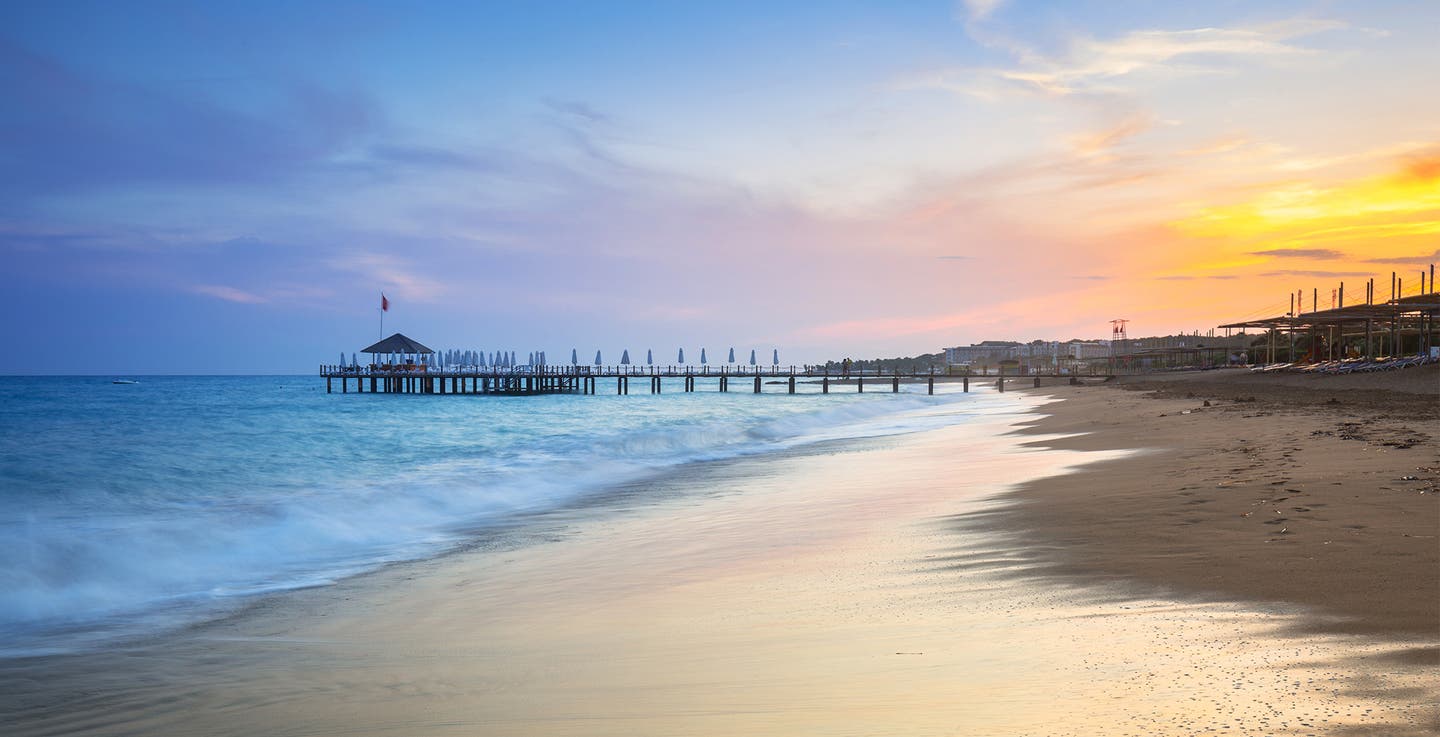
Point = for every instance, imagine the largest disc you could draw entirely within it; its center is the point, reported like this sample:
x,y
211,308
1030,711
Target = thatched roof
x,y
397,343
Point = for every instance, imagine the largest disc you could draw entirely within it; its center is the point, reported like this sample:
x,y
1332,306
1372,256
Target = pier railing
x,y
623,370
675,371
530,379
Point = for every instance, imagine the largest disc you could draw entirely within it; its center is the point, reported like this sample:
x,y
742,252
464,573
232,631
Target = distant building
x,y
1087,349
984,352
1063,355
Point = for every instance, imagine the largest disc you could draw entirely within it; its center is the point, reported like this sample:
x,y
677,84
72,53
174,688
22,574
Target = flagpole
x,y
382,315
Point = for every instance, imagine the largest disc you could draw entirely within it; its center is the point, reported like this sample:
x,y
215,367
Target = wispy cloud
x,y
65,140
1222,145
1100,142
1306,272
1416,259
394,274
229,294
1184,277
978,10
1312,253
578,109
1089,65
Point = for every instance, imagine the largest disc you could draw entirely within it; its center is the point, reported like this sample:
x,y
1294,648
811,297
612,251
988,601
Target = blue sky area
x,y
228,187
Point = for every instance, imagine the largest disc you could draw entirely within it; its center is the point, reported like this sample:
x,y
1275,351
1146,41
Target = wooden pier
x,y
534,380
408,371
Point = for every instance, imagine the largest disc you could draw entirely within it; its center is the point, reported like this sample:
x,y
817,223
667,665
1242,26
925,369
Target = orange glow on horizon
x,y
1366,218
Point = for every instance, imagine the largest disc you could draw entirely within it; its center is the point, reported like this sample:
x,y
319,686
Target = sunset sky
x,y
228,187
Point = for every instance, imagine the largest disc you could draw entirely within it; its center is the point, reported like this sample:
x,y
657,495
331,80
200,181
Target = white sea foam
x,y
202,504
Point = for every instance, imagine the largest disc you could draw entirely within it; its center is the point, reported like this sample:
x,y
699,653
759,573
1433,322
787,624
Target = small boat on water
x,y
124,381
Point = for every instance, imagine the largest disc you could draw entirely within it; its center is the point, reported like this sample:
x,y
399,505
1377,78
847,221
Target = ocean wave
x,y
327,491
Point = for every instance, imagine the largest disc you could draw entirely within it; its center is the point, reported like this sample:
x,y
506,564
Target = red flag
x,y
384,303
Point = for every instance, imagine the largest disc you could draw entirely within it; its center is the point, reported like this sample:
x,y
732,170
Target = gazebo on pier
x,y
396,344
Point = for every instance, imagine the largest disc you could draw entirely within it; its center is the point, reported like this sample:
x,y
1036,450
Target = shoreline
x,y
1252,489
806,593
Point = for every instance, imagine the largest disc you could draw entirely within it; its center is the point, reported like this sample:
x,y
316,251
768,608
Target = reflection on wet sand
x,y
812,594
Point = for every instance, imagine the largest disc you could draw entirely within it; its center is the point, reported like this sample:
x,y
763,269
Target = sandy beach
x,y
1250,567
1323,491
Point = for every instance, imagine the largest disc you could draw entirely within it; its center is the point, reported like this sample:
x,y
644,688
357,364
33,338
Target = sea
x,y
127,510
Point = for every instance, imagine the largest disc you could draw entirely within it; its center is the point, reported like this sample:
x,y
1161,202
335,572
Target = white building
x,y
987,352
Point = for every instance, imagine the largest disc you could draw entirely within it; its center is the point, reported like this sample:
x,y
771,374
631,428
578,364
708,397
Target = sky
x,y
191,187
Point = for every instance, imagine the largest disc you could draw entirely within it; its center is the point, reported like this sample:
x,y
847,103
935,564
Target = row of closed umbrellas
x,y
502,359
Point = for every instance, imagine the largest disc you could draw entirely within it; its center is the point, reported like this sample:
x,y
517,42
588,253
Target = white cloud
x,y
1096,65
394,275
981,9
229,294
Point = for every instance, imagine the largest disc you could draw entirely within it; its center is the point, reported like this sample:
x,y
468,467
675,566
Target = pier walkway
x,y
531,380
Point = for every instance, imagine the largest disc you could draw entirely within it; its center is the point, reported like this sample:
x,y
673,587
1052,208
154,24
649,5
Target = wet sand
x,y
869,588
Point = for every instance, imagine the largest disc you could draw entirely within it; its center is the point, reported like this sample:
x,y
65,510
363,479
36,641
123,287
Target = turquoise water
x,y
131,508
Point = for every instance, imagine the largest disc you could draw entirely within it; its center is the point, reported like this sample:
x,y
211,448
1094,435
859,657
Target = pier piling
x,y
583,380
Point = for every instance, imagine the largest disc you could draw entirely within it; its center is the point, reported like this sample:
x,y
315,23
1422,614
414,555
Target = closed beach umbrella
x,y
597,358
752,356
574,357
681,358
512,358
481,363
775,358
342,358
703,362
531,360
732,356
649,359
625,358
353,360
